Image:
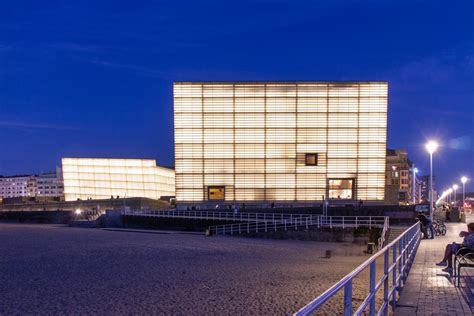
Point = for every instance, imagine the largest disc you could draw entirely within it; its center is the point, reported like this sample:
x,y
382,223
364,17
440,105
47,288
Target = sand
x,y
52,269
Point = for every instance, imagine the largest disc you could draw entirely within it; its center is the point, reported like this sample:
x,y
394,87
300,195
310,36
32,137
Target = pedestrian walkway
x,y
430,291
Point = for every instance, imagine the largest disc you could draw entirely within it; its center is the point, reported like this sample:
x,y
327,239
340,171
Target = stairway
x,y
394,232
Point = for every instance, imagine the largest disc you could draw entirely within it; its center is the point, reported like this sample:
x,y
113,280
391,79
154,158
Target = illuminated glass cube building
x,y
280,141
101,178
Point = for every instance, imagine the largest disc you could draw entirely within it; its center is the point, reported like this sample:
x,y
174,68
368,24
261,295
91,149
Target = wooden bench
x,y
464,258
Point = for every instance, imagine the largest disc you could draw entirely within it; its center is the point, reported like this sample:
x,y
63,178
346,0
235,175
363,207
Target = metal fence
x,y
227,216
402,251
297,222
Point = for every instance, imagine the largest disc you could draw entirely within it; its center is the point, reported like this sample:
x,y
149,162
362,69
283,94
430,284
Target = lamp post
x,y
431,146
415,170
455,187
463,181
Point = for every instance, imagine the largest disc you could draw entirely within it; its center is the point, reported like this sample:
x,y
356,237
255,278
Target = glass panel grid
x,y
98,178
252,139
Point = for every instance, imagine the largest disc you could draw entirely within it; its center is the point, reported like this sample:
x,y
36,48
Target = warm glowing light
x,y
455,187
463,180
280,141
431,146
78,211
415,170
99,178
450,190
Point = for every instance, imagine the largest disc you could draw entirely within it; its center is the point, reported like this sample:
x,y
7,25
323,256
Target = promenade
x,y
429,290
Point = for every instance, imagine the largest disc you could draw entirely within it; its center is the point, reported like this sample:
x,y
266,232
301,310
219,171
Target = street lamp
x,y
450,190
463,181
415,170
455,187
431,147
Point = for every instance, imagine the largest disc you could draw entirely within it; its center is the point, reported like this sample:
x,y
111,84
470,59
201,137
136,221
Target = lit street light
x,y
463,181
431,146
455,187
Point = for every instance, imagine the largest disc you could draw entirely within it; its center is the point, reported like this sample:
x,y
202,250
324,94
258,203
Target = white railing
x,y
227,216
403,250
298,222
381,240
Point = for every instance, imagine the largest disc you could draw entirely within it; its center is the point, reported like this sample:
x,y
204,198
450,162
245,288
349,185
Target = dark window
x,y
311,159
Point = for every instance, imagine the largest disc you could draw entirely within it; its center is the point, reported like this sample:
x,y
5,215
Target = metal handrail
x,y
297,222
229,216
407,244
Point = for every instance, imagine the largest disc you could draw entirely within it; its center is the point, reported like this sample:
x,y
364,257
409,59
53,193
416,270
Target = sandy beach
x,y
51,269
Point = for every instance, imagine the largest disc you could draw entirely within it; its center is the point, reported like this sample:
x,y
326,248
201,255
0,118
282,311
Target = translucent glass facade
x,y
294,141
99,178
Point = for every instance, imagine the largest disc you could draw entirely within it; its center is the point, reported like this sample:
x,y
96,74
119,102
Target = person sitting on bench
x,y
451,249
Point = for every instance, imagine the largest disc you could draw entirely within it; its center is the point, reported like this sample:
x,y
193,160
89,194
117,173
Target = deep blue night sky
x,y
94,78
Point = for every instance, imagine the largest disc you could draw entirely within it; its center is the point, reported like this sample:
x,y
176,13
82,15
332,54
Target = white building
x,y
50,184
101,178
280,141
17,186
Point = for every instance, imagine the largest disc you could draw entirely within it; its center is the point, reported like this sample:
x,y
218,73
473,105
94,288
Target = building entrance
x,y
341,189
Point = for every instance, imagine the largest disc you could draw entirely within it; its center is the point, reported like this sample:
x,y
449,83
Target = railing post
x,y
400,262
330,222
348,298
385,283
265,226
372,288
356,222
273,218
285,224
307,223
256,226
405,254
370,222
343,222
394,276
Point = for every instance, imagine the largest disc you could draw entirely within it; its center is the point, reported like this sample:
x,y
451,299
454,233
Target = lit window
x,y
341,188
311,159
216,193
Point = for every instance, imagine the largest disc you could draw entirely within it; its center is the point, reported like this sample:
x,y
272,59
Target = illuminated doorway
x,y
341,189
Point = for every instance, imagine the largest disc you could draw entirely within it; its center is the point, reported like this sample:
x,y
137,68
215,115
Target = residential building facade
x,y
17,186
399,177
280,141
50,184
425,187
